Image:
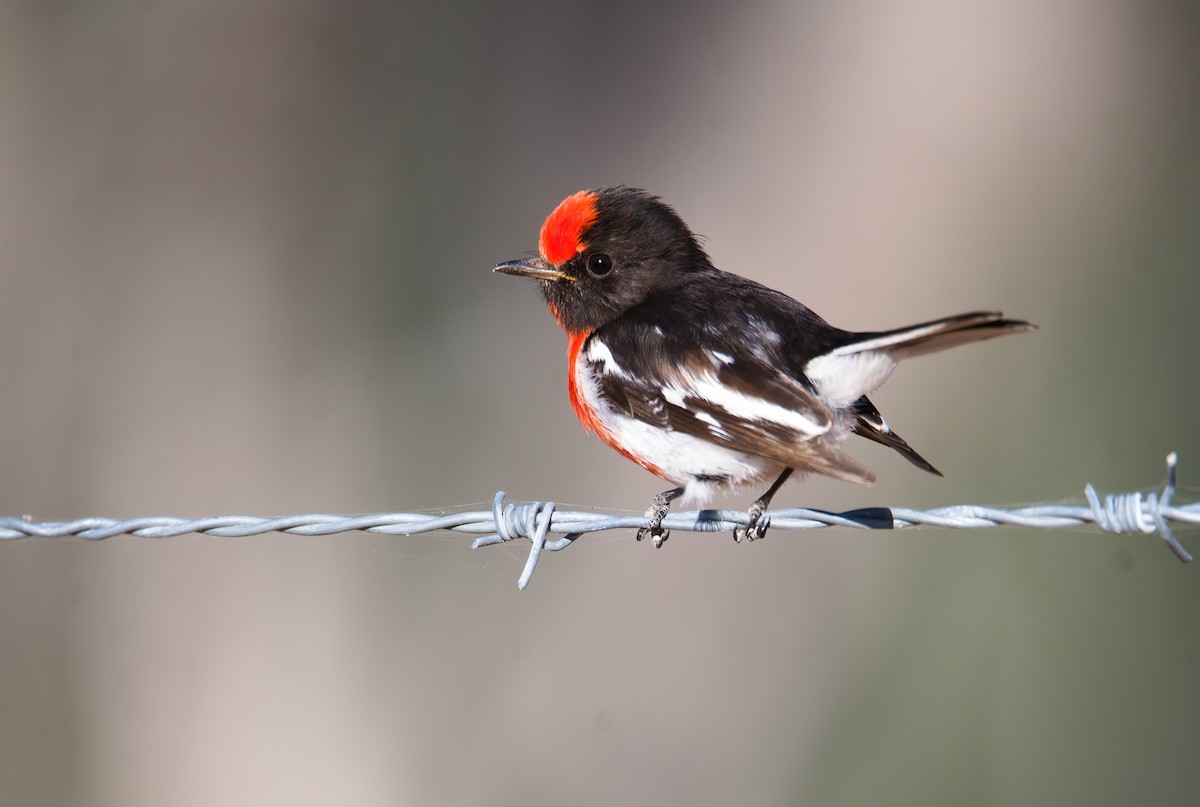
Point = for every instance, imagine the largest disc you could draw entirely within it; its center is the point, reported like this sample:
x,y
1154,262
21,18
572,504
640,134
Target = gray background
x,y
244,267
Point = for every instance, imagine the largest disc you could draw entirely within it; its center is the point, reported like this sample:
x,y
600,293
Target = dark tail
x,y
871,425
940,334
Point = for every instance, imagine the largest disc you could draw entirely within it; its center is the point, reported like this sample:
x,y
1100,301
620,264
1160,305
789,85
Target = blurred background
x,y
245,254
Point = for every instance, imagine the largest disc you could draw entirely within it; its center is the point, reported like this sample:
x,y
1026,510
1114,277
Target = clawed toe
x,y
655,533
657,512
755,529
654,530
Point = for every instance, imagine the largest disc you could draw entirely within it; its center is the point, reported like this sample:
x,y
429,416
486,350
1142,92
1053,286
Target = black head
x,y
605,251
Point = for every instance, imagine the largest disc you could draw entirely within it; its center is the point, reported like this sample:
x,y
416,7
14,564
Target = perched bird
x,y
704,378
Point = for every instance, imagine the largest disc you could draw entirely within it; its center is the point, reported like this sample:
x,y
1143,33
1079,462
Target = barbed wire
x,y
1122,514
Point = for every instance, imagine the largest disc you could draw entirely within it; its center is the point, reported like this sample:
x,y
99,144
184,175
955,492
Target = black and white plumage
x,y
715,401
708,379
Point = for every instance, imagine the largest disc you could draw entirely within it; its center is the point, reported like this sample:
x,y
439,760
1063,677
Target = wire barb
x,y
530,521
1122,514
1130,513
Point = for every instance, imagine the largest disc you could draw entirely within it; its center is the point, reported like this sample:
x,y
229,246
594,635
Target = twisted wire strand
x,y
1122,514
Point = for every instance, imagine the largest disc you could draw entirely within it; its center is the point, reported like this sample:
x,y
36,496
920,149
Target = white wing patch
x,y
702,467
599,353
673,396
707,388
844,377
718,358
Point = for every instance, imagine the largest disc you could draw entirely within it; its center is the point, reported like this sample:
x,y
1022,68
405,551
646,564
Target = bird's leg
x,y
656,513
754,530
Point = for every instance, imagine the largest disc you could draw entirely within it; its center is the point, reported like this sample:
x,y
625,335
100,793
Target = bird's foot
x,y
654,530
656,513
756,528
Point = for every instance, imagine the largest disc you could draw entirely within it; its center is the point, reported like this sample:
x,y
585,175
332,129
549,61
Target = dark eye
x,y
599,264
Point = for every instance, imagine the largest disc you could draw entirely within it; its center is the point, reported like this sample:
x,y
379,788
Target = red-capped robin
x,y
704,378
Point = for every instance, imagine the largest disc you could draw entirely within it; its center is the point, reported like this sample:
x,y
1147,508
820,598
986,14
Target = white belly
x,y
700,467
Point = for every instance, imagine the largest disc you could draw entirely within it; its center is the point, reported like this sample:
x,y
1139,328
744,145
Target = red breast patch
x,y
587,416
564,228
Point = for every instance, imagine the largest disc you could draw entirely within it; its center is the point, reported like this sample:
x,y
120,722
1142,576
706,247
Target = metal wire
x,y
1123,514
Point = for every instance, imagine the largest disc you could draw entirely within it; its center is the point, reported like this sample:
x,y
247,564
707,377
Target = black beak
x,y
535,268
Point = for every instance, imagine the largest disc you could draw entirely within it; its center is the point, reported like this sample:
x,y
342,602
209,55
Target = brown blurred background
x,y
244,267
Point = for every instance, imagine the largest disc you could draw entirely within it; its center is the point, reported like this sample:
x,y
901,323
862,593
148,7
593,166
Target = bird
x,y
707,379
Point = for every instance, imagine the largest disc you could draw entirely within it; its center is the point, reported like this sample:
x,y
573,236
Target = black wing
x,y
732,386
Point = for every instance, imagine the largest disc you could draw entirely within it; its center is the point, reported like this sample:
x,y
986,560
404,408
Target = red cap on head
x,y
563,229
